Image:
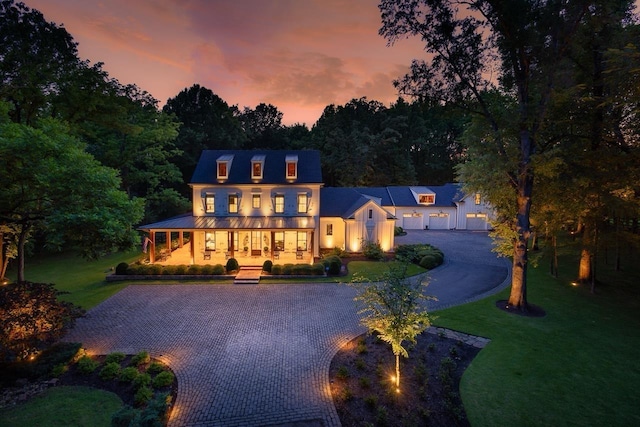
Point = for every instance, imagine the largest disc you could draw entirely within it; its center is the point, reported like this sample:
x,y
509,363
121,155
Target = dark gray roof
x,y
309,170
344,202
190,222
337,201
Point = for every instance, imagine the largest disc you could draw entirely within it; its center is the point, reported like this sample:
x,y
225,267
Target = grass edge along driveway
x,y
575,366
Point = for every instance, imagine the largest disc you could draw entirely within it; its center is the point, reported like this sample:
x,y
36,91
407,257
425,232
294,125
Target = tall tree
x,y
207,123
525,42
263,127
53,186
36,58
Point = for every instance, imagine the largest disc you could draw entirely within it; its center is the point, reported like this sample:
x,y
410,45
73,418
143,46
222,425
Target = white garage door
x,y
476,221
439,221
412,221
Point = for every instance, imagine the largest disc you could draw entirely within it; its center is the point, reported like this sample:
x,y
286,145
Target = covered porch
x,y
250,240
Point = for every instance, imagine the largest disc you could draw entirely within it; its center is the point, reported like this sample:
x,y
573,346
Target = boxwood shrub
x,y
267,266
425,255
232,264
121,268
334,263
276,269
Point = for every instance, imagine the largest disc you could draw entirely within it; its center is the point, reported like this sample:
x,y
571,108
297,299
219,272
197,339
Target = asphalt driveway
x,y
260,355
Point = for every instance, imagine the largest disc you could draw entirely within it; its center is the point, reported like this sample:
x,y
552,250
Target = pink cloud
x,y
297,55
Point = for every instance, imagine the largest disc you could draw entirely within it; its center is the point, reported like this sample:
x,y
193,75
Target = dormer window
x,y
291,167
426,199
257,167
223,165
478,198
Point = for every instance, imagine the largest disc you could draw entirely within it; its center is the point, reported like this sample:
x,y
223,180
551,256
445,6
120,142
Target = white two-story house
x,y
249,205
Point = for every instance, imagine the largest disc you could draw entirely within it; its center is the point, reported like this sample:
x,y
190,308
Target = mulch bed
x,y
364,393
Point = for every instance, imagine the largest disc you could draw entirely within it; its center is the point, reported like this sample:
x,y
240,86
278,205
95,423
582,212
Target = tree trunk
x,y
586,254
22,239
518,296
397,371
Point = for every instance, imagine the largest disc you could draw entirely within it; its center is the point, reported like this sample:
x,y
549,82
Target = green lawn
x,y
63,407
84,280
576,366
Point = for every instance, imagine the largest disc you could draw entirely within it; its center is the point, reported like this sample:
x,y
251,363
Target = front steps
x,y
248,276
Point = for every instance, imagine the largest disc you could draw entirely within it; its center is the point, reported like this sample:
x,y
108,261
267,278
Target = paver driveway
x,y
260,355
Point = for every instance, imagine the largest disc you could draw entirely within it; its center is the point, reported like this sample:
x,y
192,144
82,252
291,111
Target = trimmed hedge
x,y
174,270
316,269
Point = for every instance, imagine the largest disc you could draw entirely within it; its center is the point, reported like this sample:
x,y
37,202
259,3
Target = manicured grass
x,y
373,270
64,406
84,280
576,366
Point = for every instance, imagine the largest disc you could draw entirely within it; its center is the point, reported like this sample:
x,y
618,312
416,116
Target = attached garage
x,y
476,221
439,221
412,221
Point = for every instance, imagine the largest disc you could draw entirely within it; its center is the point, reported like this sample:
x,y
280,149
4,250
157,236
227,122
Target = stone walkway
x,y
259,355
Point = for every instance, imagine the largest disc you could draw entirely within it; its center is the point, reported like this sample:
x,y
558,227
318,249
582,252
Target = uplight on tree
x,y
394,309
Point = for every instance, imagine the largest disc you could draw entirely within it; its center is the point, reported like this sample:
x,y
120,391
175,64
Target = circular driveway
x,y
260,355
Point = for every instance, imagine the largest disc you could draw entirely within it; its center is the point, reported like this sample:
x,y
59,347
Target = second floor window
x,y
233,203
279,203
209,203
255,201
302,203
329,229
478,199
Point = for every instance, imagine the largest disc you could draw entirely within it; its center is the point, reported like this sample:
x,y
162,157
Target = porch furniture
x,y
207,254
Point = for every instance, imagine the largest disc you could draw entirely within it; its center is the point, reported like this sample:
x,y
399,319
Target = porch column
x,y
192,249
152,247
181,238
168,248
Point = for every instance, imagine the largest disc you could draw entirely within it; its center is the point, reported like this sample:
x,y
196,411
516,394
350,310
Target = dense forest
x,y
561,116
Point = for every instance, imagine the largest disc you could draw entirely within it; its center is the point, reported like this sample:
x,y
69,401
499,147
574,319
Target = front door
x,y
256,243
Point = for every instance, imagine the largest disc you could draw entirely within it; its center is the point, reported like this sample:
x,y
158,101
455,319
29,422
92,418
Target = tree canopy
x,y
52,186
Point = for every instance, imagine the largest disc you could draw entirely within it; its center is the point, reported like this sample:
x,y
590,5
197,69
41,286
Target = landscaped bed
x,y
365,394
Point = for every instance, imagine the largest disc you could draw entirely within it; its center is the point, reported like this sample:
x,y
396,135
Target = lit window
x,y
233,203
255,201
478,198
329,229
292,167
278,240
222,170
209,203
223,165
427,199
302,240
279,203
210,241
257,166
302,203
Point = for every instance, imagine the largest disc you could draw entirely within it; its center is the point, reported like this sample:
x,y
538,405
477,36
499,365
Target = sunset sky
x,y
299,55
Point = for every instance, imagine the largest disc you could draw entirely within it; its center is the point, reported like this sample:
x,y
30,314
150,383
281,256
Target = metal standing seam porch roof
x,y
190,222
